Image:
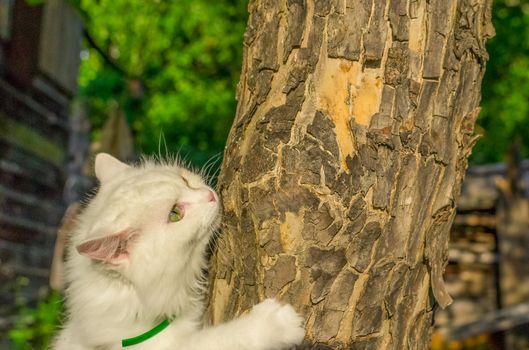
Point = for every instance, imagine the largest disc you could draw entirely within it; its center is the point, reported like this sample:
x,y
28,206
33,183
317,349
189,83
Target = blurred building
x,y
39,60
488,270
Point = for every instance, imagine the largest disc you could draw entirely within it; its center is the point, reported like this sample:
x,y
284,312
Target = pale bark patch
x,y
290,232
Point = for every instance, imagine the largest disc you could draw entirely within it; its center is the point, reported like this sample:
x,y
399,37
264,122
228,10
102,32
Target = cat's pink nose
x,y
211,197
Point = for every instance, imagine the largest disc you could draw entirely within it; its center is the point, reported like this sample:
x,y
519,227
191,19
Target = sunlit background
x,y
135,77
170,66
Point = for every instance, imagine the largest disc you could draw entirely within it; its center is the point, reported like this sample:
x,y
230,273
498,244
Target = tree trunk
x,y
344,164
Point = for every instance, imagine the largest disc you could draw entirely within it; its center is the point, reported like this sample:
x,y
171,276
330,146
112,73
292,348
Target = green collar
x,y
147,335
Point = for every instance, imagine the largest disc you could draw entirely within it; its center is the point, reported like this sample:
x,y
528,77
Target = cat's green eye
x,y
176,214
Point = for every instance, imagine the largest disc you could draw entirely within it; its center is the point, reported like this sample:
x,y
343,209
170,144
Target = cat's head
x,y
147,219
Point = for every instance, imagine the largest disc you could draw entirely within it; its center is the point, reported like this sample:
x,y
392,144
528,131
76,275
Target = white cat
x,y
136,264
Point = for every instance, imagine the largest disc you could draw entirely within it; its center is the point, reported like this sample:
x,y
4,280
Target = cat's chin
x,y
205,235
211,223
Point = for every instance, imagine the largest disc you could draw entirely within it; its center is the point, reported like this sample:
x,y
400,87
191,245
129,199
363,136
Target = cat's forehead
x,y
171,173
161,180
164,176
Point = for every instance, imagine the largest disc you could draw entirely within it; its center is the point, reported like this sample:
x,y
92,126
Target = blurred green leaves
x,y
505,100
35,326
181,61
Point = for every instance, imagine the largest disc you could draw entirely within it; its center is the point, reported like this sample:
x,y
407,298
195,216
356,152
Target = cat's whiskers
x,y
213,163
160,137
215,247
209,163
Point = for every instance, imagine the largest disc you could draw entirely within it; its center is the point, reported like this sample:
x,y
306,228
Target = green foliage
x,y
34,2
505,100
181,63
36,326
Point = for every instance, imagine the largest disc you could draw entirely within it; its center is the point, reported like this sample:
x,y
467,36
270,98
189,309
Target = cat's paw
x,y
280,326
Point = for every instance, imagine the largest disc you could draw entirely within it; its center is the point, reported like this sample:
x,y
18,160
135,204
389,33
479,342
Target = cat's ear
x,y
106,167
113,249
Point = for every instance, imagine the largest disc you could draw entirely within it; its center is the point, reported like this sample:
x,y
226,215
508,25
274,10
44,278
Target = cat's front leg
x,y
278,326
268,326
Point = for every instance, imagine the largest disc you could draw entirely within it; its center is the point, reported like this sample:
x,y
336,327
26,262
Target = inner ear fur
x,y
114,248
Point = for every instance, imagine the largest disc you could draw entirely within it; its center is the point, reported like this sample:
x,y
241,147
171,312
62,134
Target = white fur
x,y
109,299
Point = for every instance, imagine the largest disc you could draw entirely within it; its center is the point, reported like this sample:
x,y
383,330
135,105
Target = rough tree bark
x,y
344,163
